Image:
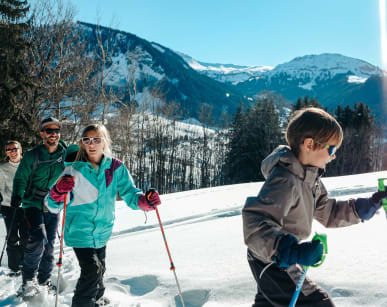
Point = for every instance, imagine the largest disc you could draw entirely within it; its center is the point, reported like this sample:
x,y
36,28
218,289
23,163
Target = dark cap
x,y
49,121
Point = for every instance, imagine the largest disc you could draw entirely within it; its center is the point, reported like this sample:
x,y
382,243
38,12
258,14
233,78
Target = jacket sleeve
x,y
263,216
126,188
22,175
334,213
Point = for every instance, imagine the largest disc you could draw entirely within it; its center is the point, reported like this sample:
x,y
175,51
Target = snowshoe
x,y
102,301
28,290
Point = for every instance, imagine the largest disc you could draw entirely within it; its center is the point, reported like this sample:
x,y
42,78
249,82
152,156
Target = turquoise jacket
x,y
90,210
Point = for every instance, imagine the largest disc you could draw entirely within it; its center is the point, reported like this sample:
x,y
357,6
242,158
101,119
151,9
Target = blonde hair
x,y
103,133
313,123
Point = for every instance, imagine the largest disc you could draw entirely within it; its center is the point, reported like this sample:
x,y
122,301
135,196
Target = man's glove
x,y
149,200
291,252
16,201
367,207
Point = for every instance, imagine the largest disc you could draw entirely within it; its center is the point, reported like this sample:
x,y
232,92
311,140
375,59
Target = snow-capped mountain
x,y
158,72
332,78
226,72
161,73
311,69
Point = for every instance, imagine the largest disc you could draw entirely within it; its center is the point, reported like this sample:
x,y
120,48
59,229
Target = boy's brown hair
x,y
312,123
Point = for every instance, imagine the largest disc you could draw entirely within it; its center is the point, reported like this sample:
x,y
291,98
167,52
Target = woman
x,y
13,217
94,179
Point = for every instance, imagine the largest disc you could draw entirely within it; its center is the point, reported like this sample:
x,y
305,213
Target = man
x,y
37,172
13,217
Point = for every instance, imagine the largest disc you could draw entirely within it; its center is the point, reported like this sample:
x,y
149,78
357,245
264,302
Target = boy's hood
x,y
285,157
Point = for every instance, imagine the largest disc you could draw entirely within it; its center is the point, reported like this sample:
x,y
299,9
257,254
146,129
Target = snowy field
x,y
204,233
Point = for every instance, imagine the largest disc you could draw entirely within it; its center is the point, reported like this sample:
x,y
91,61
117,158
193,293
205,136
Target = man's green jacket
x,y
31,185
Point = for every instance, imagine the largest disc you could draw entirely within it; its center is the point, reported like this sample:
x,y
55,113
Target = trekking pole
x,y
323,239
59,263
172,268
8,234
382,188
57,233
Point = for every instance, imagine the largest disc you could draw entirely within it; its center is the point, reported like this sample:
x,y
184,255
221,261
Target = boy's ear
x,y
308,144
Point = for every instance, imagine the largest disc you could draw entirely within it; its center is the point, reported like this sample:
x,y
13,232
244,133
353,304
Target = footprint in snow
x,y
193,298
341,292
141,285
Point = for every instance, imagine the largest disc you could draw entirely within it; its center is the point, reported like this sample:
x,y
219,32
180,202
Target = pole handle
x,y
323,238
149,194
382,188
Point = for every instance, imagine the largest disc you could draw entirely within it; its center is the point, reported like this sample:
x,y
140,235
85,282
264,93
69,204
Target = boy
x,y
290,198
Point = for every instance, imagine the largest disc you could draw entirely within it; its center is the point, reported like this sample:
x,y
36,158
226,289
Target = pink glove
x,y
149,204
65,184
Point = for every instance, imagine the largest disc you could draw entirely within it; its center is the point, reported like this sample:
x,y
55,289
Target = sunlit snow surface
x,y
204,233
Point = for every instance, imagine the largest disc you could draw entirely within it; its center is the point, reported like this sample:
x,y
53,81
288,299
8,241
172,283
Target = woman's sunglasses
x,y
88,140
331,148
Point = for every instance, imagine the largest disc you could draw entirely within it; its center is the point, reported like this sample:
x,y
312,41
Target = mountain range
x,y
162,73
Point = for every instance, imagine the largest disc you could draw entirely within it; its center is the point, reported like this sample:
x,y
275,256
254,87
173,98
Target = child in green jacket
x,y
94,179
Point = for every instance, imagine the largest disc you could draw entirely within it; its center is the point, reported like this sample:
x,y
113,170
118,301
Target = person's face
x,y
13,152
51,135
94,145
319,156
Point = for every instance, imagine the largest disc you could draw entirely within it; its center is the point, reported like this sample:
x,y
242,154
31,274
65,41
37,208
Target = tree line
x,y
257,130
47,68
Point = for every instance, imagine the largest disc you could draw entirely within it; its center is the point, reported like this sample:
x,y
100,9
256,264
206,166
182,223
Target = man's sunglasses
x,y
89,141
331,148
51,131
12,149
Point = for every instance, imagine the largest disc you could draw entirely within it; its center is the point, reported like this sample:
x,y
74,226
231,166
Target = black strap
x,y
35,165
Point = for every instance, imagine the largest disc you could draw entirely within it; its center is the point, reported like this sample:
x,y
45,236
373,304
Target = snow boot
x,y
28,289
51,289
102,301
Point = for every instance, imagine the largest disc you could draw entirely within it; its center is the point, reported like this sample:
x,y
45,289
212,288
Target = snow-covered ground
x,y
204,232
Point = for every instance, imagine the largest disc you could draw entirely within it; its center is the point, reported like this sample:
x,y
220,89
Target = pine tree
x,y
304,103
236,148
358,151
253,136
13,77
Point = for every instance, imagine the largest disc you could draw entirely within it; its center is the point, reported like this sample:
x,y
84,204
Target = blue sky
x,y
246,32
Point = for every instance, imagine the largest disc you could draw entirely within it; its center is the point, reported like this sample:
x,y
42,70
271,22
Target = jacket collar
x,y
284,157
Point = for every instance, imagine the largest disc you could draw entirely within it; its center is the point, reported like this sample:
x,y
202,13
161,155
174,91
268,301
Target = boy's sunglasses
x,y
51,131
331,148
88,140
12,149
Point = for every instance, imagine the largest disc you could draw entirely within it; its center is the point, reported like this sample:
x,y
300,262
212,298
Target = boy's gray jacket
x,y
291,197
